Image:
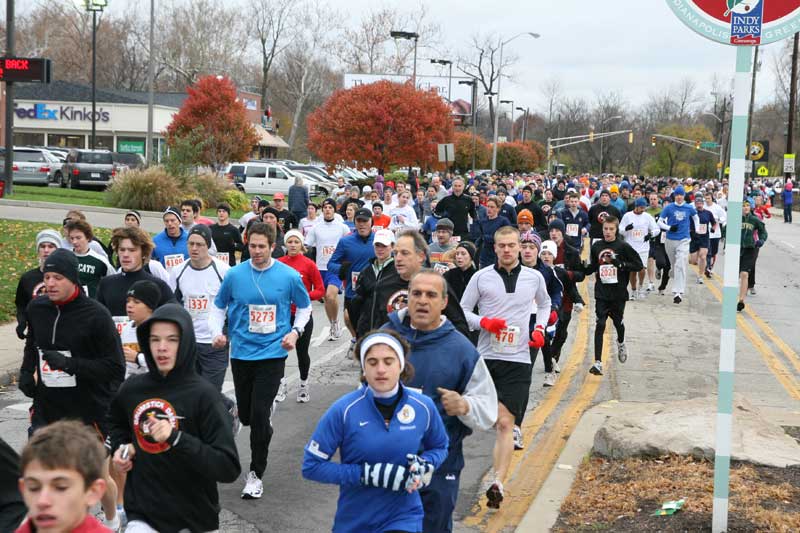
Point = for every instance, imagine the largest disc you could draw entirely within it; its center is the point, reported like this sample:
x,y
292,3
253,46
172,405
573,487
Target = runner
x,y
225,237
700,235
721,216
381,271
754,235
310,219
256,297
92,267
31,283
656,247
379,220
403,215
675,220
75,215
761,212
74,350
286,219
169,432
487,229
598,213
539,220
613,260
255,210
638,228
504,294
390,438
576,221
450,371
170,244
312,280
441,250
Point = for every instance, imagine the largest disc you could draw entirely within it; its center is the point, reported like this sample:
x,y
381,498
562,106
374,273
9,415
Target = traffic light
x,y
653,140
630,137
697,145
550,154
591,135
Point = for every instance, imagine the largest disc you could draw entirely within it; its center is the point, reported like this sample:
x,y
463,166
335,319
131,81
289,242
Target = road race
x,y
313,265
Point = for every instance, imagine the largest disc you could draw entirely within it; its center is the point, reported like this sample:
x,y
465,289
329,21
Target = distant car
x,y
33,166
260,177
317,171
94,168
125,160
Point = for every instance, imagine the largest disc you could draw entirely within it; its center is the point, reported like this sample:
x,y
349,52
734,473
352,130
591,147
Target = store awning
x,y
266,138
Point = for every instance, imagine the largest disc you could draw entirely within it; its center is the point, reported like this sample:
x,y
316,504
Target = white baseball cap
x,y
549,246
384,237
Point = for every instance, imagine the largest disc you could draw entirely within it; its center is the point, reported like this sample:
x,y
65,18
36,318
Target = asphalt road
x,y
673,354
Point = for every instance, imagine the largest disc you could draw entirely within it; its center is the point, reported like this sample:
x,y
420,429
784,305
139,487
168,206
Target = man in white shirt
x,y
324,236
721,216
639,227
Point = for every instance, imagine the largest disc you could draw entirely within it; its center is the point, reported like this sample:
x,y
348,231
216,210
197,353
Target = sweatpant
x,y
561,335
787,213
605,309
439,502
678,255
303,343
256,384
751,273
212,364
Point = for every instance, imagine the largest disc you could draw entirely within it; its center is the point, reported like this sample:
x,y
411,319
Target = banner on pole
x,y
788,164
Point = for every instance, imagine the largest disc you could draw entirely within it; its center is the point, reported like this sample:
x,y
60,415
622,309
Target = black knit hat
x,y
62,262
469,247
146,292
202,230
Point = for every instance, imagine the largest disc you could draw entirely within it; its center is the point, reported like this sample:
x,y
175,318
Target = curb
x,y
67,207
7,376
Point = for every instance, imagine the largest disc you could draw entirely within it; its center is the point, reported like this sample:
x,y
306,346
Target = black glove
x,y
673,228
21,331
759,243
344,270
629,227
26,383
56,360
387,476
616,261
647,237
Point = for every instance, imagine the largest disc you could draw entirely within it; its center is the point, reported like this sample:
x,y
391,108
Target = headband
x,y
382,338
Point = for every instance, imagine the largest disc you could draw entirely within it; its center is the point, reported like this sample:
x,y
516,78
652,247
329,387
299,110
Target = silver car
x,y
33,166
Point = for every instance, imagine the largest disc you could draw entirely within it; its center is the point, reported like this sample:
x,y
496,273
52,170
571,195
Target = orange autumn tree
x,y
380,124
211,112
464,148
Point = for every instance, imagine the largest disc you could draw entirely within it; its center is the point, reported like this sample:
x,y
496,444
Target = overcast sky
x,y
634,47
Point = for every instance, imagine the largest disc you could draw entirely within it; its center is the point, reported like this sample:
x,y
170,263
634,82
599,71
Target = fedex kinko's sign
x,y
740,22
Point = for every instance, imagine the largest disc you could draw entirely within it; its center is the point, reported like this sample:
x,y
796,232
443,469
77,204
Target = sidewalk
x,y
104,217
10,353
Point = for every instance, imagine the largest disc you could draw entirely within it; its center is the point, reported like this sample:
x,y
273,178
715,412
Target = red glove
x,y
553,318
493,325
537,337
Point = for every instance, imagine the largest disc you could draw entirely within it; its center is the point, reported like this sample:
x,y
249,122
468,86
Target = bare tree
x,y
482,62
273,24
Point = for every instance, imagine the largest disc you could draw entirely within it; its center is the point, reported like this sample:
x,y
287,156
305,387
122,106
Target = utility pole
x,y
750,112
9,155
148,149
792,101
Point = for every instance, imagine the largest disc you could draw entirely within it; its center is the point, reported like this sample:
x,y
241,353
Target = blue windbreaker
x,y
166,245
680,215
358,251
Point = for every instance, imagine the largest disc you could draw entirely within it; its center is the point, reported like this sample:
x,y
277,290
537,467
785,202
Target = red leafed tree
x,y
516,157
211,105
464,149
380,124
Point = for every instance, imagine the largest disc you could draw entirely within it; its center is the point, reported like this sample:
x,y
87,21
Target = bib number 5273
x,y
262,318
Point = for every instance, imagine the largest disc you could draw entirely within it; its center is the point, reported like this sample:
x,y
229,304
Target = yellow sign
x,y
763,172
727,170
757,150
719,166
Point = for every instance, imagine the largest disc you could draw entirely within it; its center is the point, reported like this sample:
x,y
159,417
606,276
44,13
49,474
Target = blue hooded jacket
x,y
357,251
166,245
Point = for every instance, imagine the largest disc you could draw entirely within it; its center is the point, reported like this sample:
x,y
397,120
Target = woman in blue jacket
x,y
390,439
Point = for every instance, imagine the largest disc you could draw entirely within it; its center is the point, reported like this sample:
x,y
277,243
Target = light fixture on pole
x,y
721,122
511,132
474,108
449,76
95,6
499,78
410,36
524,122
603,123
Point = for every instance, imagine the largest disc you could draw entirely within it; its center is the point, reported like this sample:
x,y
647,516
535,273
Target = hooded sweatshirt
x,y
173,484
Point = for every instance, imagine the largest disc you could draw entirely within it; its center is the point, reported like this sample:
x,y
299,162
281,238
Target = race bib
x,y
506,340
701,229
608,274
173,260
441,268
572,230
638,234
196,304
57,379
455,239
262,318
224,257
119,322
353,279
327,251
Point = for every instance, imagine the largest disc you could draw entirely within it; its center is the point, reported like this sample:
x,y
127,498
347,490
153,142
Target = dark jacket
x,y
84,328
457,209
298,199
609,269
458,279
598,213
228,240
30,285
539,220
112,291
12,507
173,484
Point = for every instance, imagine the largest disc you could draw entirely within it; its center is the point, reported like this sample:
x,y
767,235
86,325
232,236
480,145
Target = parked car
x,y
313,181
317,171
259,177
33,166
93,168
125,160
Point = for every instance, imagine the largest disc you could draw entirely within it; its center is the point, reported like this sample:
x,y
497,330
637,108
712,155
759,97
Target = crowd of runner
x,y
451,287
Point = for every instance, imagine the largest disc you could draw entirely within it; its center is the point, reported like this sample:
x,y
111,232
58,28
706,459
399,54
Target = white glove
x,y
577,308
420,469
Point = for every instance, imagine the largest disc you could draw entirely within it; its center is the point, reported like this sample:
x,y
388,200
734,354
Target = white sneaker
x,y
650,287
302,394
752,291
519,444
114,524
597,368
556,368
351,350
253,488
643,294
622,352
549,379
632,296
699,280
336,331
281,391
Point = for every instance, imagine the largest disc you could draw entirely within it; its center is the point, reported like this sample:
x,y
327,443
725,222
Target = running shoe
x,y
253,488
699,280
752,291
302,394
351,350
622,352
632,296
123,516
495,495
281,391
740,306
643,294
556,368
660,292
677,299
597,368
519,444
336,331
650,287
113,525
549,379
708,273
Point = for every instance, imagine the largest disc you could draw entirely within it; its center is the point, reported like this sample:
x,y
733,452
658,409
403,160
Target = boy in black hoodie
x,y
171,432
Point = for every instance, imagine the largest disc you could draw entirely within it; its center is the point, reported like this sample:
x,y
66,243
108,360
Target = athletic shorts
x,y
609,309
513,383
643,255
713,248
747,259
694,246
329,278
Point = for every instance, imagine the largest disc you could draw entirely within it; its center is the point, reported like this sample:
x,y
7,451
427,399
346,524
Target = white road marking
x,y
322,337
23,407
790,245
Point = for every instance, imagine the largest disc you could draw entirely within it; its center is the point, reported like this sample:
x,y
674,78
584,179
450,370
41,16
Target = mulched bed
x,y
621,495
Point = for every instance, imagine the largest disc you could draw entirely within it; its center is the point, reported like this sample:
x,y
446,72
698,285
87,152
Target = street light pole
x,y
94,6
511,129
410,36
449,76
602,130
151,69
499,78
8,163
524,122
721,123
474,106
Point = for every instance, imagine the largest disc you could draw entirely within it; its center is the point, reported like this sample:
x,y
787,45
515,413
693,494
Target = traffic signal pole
x,y
8,163
553,144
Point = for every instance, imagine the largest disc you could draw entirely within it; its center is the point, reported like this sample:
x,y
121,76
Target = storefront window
x,y
66,141
131,145
28,139
103,142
